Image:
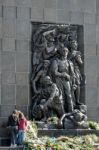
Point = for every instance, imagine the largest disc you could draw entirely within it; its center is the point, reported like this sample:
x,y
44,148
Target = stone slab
x,y
8,61
22,29
38,3
50,4
11,148
8,94
76,18
8,77
50,15
9,12
9,27
37,14
23,13
6,110
22,79
63,132
63,16
89,18
22,45
8,44
22,62
9,2
22,95
64,4
90,34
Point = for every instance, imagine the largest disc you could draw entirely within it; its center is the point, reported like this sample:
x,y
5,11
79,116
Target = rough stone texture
x,y
91,94
0,63
98,65
8,44
97,33
98,81
1,11
25,3
22,62
37,14
91,80
97,18
90,49
22,78
97,50
9,12
0,88
63,16
38,3
24,109
93,112
22,95
50,15
8,94
8,77
89,18
90,34
9,27
0,45
22,45
91,65
9,2
51,4
22,29
63,4
6,110
98,95
23,13
76,5
77,18
1,28
97,6
8,61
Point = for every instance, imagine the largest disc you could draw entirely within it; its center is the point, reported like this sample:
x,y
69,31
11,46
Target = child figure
x,y
21,128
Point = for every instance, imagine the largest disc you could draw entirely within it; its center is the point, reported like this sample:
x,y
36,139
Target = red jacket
x,y
22,124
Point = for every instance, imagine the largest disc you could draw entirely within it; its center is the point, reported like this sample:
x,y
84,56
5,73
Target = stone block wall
x,y
15,48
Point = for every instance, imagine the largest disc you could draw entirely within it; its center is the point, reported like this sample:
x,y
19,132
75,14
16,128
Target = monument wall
x,y
16,17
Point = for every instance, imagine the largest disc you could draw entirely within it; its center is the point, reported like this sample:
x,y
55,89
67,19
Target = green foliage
x,y
93,125
53,120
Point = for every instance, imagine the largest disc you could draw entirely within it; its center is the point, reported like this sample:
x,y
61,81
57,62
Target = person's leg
x,y
16,137
19,137
22,137
12,136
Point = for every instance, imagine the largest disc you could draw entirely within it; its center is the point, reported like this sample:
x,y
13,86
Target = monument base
x,y
64,132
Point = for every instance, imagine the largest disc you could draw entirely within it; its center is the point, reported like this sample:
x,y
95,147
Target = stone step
x,y
12,148
4,141
63,132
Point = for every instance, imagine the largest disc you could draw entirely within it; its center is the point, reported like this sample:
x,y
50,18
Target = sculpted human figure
x,y
50,47
63,73
76,119
77,62
41,74
51,97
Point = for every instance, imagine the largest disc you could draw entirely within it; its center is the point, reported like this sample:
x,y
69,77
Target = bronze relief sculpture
x,y
56,74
